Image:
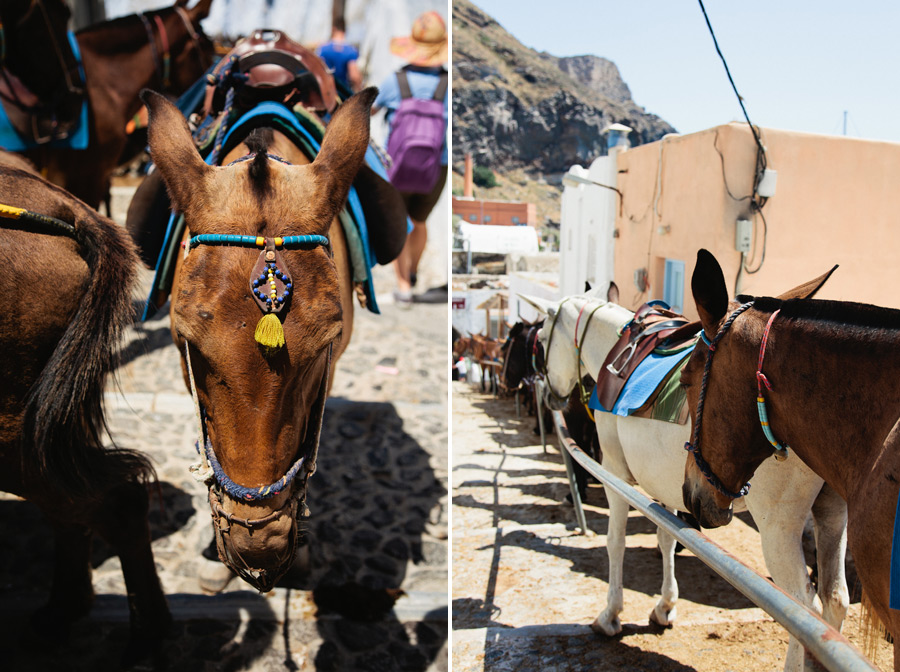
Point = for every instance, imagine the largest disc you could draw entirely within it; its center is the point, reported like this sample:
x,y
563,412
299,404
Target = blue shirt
x,y
423,83
336,56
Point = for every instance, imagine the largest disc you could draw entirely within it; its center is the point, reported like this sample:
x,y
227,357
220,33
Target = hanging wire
x,y
756,202
762,150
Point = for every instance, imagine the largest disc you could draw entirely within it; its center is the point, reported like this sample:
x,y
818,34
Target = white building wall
x,y
587,223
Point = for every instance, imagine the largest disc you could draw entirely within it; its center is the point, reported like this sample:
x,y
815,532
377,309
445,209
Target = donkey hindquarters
x,y
58,342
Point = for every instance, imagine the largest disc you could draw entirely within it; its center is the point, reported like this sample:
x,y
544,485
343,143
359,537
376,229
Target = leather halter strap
x,y
195,36
151,40
192,33
693,446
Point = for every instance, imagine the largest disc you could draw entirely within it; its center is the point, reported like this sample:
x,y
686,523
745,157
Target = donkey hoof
x,y
662,617
214,577
606,626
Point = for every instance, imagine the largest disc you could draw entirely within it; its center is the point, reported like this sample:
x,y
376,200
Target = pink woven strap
x,y
760,376
162,35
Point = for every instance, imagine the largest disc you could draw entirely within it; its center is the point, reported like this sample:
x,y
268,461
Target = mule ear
x,y
343,151
710,292
173,151
808,289
612,294
516,329
587,286
539,304
198,11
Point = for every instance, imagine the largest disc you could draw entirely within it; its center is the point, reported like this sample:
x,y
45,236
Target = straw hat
x,y
427,43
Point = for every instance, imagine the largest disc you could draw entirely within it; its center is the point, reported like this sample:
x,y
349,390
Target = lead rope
x,y
693,446
201,471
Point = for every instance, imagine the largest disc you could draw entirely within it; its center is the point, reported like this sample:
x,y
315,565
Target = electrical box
x,y
743,235
766,186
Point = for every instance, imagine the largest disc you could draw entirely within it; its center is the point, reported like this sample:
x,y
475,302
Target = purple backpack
x,y
417,137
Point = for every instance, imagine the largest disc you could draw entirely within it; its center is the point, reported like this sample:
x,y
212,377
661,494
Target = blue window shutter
x,y
673,285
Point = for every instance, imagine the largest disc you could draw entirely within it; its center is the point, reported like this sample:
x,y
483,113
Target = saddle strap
x,y
630,350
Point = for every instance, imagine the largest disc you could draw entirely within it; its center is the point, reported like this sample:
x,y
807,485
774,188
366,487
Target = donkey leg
x,y
614,460
122,521
780,502
830,515
71,594
608,622
664,612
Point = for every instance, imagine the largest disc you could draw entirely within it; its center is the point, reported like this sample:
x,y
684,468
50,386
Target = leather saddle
x,y
651,328
274,67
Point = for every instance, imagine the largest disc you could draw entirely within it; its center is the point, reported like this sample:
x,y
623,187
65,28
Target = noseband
x,y
693,446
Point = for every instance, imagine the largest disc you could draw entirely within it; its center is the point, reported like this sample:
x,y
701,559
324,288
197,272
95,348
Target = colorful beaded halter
x,y
270,282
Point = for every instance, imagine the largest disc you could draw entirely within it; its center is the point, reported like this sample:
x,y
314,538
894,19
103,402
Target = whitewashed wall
x,y
587,222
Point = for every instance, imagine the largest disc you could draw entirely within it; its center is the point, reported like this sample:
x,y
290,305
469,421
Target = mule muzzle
x,y
257,542
552,401
704,503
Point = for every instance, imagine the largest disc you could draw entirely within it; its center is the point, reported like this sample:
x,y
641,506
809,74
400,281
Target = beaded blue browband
x,y
267,277
287,242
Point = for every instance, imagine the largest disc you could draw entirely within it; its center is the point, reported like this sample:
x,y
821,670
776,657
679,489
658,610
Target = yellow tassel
x,y
270,333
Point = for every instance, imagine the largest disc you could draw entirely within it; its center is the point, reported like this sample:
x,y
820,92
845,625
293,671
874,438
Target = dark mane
x,y
258,142
842,312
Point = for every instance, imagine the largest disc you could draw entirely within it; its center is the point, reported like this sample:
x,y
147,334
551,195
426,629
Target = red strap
x,y
760,376
162,34
578,321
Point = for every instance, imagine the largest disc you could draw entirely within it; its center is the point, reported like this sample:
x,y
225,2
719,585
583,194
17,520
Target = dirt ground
x,y
527,584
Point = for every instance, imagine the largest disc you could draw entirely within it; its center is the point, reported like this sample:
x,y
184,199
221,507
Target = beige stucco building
x,y
836,201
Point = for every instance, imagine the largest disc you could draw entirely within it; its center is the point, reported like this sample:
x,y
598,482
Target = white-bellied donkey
x,y
650,453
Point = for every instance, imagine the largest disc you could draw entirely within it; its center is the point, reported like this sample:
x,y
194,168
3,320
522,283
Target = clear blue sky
x,y
798,64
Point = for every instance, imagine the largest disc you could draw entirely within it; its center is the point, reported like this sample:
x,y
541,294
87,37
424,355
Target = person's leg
x,y
401,270
418,206
415,245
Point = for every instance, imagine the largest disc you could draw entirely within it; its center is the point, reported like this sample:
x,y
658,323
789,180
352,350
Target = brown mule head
x,y
262,412
731,441
192,52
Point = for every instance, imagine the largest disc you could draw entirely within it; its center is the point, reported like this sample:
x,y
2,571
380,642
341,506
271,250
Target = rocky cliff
x,y
514,107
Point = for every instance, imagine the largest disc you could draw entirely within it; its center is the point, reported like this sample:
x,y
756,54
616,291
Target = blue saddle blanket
x,y
642,383
11,140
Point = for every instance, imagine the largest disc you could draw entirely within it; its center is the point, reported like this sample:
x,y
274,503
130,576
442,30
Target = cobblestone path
x,y
378,523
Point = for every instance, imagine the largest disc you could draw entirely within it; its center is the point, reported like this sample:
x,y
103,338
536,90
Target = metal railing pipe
x,y
830,647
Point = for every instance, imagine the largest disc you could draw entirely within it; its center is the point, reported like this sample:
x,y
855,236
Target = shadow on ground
x,y
371,498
